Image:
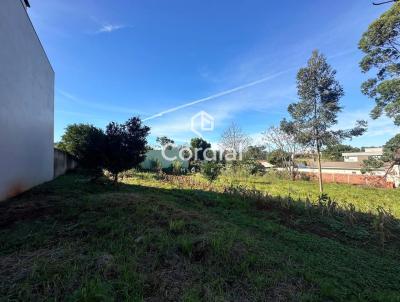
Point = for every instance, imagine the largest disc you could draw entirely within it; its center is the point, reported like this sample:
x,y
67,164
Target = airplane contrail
x,y
217,95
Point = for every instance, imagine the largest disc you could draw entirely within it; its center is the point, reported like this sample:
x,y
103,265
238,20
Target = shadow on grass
x,y
324,218
172,238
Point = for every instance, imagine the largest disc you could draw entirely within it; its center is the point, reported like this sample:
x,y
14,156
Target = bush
x,y
304,176
155,165
210,170
253,167
176,167
128,173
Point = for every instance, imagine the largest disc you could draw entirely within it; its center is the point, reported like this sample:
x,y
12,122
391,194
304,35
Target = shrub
x,y
304,176
155,165
176,167
253,167
210,170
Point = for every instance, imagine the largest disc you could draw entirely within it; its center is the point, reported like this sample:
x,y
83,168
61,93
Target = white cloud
x,y
379,131
103,107
220,94
108,28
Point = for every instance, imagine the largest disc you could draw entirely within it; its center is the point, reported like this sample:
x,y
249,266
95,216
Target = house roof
x,y
367,152
266,164
362,154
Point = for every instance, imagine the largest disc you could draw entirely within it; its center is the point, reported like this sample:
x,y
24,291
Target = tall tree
x,y
125,145
316,112
381,45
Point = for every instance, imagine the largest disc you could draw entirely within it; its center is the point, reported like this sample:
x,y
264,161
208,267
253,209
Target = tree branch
x,y
384,2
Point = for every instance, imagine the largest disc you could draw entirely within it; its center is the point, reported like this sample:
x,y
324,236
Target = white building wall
x,y
26,103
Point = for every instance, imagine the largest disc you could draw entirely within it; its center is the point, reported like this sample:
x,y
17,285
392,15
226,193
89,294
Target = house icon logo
x,y
202,122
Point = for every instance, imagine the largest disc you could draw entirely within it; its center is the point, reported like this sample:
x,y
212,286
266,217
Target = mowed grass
x,y
151,240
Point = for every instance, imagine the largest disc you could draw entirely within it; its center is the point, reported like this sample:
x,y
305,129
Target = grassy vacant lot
x,y
163,240
364,198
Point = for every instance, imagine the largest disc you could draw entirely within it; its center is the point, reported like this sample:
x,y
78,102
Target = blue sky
x,y
116,59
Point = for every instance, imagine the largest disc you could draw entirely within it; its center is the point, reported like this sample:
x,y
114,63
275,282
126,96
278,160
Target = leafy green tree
x,y
391,148
316,112
199,145
278,157
86,143
391,154
210,170
125,145
334,152
381,45
163,141
255,153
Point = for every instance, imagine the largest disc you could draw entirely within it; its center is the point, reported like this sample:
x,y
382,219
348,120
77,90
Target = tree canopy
x,y
233,138
199,145
125,145
163,141
381,45
334,152
256,153
391,154
86,143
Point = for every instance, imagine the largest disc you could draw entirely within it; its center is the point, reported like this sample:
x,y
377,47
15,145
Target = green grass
x,y
365,199
148,239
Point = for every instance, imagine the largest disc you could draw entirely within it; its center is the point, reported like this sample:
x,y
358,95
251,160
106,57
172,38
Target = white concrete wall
x,y
350,159
26,103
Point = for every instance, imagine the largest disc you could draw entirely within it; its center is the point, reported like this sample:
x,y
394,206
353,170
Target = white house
x,y
27,103
359,157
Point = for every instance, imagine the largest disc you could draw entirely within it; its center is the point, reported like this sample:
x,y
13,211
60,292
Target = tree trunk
x,y
293,176
115,178
321,188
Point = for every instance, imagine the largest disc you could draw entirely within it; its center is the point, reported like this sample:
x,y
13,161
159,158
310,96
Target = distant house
x,y
166,161
351,173
27,103
267,165
359,157
351,170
